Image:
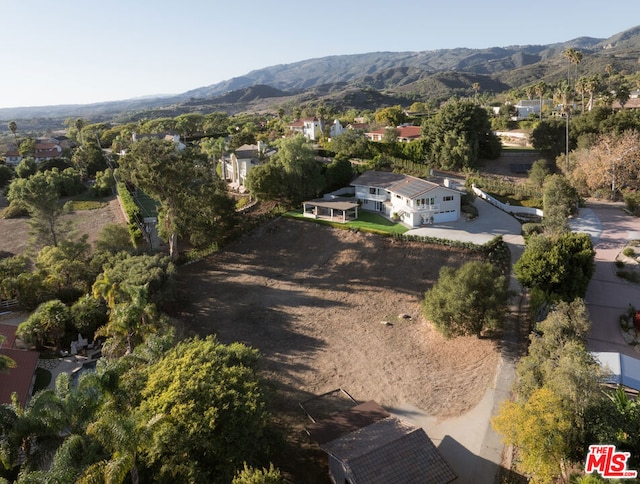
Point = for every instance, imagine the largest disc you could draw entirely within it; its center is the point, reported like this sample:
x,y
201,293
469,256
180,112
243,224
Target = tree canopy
x,y
611,164
558,389
293,175
560,267
193,200
460,134
208,403
467,300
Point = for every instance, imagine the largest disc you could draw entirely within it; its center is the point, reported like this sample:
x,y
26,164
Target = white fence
x,y
8,304
505,207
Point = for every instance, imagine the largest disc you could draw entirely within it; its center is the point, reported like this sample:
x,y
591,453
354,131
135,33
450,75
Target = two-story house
x,y
238,164
411,200
310,128
12,157
46,150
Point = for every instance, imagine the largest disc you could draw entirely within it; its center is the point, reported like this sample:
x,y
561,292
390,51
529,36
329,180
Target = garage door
x,y
451,216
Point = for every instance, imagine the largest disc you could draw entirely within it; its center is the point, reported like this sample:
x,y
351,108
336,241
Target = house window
x,y
372,191
418,202
447,198
432,201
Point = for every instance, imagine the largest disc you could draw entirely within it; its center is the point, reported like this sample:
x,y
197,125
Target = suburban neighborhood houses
x,y
413,275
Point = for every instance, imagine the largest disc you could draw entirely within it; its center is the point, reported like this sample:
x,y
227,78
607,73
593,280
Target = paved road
x,y
608,296
468,443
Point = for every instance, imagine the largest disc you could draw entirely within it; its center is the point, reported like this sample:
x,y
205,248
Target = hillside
x,y
350,81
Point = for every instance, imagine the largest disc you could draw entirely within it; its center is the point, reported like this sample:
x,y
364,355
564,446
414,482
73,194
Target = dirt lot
x,y
14,236
313,300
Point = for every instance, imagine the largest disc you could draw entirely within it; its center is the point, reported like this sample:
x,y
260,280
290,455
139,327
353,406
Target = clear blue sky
x,y
76,52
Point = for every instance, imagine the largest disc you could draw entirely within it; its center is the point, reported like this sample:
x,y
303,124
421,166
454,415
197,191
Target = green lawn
x,y
367,221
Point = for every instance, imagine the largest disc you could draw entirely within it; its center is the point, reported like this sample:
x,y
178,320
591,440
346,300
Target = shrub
x,y
619,264
632,201
468,300
15,209
628,251
530,229
470,210
532,203
132,210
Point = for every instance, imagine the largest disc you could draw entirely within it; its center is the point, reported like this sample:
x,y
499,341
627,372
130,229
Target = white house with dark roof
x,y
411,200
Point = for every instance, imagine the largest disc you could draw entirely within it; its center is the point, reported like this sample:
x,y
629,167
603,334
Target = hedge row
x,y
134,214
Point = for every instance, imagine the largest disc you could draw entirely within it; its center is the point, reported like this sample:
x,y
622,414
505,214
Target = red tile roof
x,y
46,146
47,154
18,380
9,333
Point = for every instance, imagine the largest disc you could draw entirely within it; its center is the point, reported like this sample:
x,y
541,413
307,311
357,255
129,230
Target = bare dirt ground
x,y
313,300
14,237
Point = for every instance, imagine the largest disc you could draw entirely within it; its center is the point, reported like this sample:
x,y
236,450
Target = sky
x,y
86,51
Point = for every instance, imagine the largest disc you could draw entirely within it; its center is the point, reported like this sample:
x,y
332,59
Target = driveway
x,y
608,296
491,221
468,443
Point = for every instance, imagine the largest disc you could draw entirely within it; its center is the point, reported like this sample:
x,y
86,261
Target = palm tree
x,y
591,86
530,91
622,94
563,92
476,89
131,318
28,435
609,70
13,127
540,89
121,434
79,124
574,57
581,88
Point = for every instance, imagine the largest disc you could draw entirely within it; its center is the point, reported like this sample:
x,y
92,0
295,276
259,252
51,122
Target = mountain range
x,y
368,80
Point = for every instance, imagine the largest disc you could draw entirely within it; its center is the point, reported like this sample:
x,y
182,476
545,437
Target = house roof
x,y
624,370
47,154
632,103
9,333
247,151
404,185
391,450
346,421
46,146
375,447
404,132
18,379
